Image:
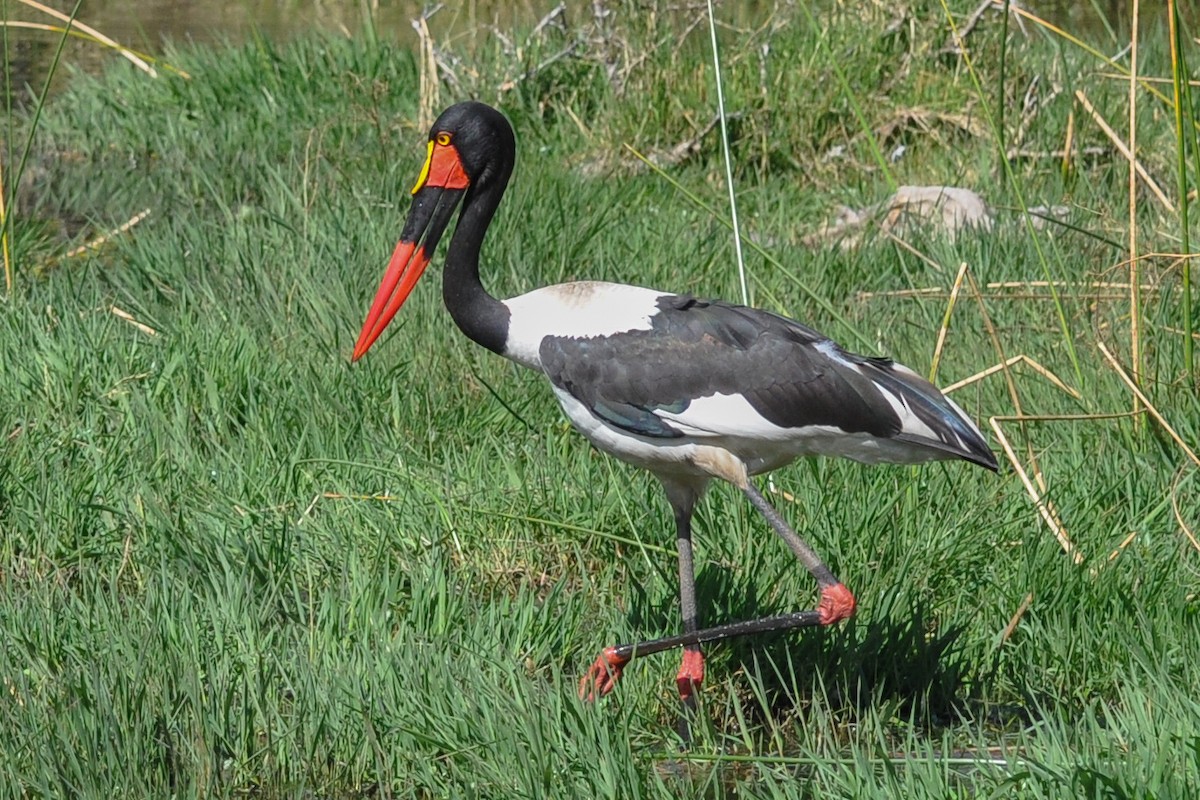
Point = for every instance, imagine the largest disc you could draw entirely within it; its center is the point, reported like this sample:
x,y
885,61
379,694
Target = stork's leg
x,y
604,672
691,671
837,604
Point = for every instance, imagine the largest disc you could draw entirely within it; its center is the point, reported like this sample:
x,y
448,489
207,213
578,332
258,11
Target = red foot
x,y
602,676
837,604
691,674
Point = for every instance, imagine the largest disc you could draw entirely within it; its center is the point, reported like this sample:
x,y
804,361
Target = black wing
x,y
791,375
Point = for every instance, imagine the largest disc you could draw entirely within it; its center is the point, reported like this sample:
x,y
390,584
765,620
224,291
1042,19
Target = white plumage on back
x,y
583,309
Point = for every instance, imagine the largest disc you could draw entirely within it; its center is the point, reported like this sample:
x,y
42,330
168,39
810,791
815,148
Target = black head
x,y
469,159
483,138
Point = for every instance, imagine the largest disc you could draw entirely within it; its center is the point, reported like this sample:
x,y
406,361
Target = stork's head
x,y
470,150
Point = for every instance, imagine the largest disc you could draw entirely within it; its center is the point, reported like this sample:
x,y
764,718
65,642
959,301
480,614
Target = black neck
x,y
483,318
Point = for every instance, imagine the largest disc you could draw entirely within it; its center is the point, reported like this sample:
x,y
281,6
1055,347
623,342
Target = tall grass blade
x,y
1179,83
772,260
6,157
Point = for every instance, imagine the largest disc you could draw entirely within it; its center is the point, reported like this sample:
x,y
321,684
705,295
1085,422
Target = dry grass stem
x,y
100,240
940,291
429,93
1068,151
1068,417
125,315
786,495
1009,380
1015,619
1017,359
911,249
1124,150
386,498
4,226
308,510
1044,509
42,26
958,38
1147,79
1032,104
1135,297
1150,409
1179,332
1066,154
1121,547
945,327
688,147
128,54
1183,526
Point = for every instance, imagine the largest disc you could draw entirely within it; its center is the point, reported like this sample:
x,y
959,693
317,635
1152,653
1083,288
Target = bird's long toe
x,y
691,675
837,604
602,676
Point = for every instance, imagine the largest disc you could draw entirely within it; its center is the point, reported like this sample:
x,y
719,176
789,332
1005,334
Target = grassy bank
x,y
232,564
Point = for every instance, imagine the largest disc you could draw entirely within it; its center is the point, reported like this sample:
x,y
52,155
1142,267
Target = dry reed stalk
x,y
1183,526
1012,361
1135,297
1124,150
945,327
1145,401
125,315
128,54
1044,509
1015,619
428,97
104,237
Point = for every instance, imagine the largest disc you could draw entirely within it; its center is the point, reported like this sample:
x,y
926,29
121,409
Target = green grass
x,y
202,592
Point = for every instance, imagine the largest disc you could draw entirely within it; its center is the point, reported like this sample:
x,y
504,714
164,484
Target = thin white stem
x,y
737,231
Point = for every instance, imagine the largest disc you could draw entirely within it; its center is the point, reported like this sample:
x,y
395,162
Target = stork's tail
x,y
930,418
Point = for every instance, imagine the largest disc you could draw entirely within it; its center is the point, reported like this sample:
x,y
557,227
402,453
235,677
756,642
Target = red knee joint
x,y
691,673
837,604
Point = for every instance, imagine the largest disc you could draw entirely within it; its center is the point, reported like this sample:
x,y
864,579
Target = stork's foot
x,y
602,676
691,675
837,604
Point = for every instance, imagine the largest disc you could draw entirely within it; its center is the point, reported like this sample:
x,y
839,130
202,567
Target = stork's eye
x,y
442,138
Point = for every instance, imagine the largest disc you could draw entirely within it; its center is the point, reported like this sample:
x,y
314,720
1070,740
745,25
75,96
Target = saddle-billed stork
x,y
688,389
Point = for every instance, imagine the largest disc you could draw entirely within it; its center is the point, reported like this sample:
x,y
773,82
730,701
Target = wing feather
x,y
726,370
